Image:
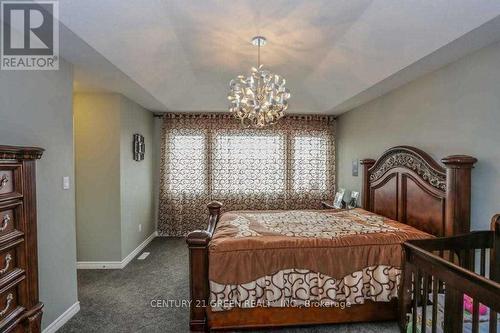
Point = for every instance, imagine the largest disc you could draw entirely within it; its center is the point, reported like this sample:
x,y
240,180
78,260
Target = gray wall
x,y
36,110
136,177
97,166
455,110
114,193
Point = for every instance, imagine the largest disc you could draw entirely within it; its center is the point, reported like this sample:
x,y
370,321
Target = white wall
x,y
36,110
97,166
455,110
114,193
136,178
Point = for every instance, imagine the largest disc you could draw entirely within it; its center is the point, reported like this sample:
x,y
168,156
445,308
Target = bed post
x,y
457,221
198,241
367,163
458,193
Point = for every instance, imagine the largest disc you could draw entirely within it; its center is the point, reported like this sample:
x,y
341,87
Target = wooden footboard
x,y
198,270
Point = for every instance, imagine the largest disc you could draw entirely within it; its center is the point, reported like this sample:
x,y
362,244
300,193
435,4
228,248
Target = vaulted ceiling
x,y
181,54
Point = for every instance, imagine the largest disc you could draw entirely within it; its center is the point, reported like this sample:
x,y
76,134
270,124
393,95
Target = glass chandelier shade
x,y
260,99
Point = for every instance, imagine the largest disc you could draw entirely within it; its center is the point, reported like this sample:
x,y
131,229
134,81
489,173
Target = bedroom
x,y
397,101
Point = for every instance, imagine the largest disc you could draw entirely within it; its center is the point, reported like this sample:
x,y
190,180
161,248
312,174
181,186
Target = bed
x,y
252,269
450,285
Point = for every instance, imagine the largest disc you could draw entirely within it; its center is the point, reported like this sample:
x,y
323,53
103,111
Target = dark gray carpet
x,y
120,300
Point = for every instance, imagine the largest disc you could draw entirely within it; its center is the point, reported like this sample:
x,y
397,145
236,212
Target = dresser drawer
x,y
11,220
10,302
11,262
10,181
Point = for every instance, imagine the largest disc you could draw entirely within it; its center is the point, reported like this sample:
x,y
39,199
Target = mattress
x,y
305,258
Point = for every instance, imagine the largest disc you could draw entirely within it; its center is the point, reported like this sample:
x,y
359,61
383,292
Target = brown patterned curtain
x,y
205,157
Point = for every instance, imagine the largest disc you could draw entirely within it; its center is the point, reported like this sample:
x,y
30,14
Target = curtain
x,y
204,157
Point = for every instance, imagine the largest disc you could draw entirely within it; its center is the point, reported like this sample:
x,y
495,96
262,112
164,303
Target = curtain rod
x,y
215,114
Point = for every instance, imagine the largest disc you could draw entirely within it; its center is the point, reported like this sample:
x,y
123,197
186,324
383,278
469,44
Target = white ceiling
x,y
180,54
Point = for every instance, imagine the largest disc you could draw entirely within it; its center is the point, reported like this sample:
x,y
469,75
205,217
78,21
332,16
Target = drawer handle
x,y
5,222
8,259
10,298
3,181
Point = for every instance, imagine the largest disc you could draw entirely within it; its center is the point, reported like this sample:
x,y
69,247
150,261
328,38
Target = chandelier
x,y
260,99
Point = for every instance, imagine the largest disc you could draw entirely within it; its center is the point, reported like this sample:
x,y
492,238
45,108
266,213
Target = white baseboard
x,y
141,247
63,319
116,264
99,265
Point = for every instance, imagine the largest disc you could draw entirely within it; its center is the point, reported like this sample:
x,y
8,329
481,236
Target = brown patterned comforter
x,y
292,258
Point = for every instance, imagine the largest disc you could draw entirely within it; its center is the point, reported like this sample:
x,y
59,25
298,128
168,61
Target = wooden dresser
x,y
20,309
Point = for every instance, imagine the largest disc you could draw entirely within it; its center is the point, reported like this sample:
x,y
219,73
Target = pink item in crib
x,y
468,306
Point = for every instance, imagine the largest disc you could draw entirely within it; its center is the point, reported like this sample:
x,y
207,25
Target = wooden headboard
x,y
407,185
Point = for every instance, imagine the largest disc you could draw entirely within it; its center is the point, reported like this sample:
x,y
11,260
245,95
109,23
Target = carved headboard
x,y
407,185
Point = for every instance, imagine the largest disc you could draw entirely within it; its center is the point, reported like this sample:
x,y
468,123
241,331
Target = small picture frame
x,y
339,199
353,202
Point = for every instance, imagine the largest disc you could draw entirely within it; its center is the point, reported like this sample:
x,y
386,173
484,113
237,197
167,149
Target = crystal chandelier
x,y
260,99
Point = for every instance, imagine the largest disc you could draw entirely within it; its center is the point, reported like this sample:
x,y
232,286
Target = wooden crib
x,y
445,269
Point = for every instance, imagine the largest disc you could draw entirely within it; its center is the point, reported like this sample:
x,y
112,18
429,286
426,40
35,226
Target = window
x,y
310,163
187,164
248,163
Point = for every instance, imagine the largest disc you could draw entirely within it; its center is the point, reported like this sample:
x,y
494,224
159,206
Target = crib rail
x,y
452,266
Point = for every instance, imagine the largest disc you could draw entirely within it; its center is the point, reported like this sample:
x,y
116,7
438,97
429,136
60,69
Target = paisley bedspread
x,y
305,258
